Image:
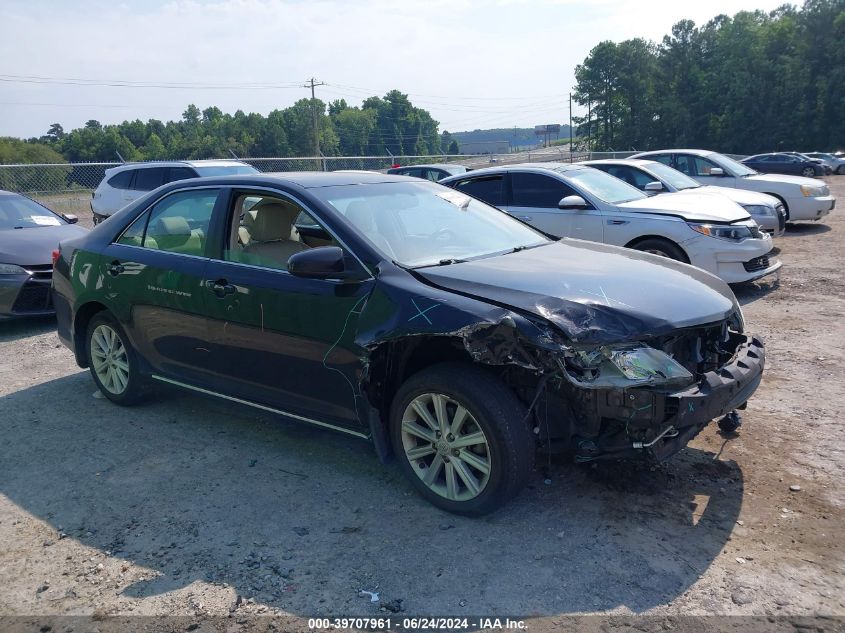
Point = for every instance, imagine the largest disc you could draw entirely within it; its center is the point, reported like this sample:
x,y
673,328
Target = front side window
x,y
633,177
675,178
180,173
149,178
490,189
424,224
666,159
178,223
267,230
537,190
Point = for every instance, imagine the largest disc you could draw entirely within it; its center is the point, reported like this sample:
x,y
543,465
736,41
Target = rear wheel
x,y
664,248
112,360
460,438
808,172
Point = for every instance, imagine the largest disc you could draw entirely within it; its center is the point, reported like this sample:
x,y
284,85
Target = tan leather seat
x,y
271,232
175,234
364,219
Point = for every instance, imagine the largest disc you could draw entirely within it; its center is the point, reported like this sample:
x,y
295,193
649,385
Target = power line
x,y
122,83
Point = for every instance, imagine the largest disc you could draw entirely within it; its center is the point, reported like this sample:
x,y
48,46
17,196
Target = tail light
x,y
56,254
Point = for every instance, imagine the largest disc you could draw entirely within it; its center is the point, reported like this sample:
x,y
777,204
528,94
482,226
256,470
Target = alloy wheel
x,y
446,447
109,358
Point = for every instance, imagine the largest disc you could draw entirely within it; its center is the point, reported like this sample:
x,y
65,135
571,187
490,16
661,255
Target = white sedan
x,y
707,231
804,198
653,178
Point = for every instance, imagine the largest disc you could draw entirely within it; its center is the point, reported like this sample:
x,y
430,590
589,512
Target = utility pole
x,y
312,84
571,131
589,127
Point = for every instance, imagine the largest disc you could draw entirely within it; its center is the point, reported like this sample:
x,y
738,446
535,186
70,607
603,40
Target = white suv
x,y
126,183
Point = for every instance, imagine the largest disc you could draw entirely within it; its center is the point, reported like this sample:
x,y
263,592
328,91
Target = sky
x,y
471,63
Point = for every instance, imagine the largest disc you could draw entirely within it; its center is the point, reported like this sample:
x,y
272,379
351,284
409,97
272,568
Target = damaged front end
x,y
649,397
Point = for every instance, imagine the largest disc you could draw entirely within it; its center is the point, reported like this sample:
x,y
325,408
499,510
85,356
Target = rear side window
x,y
180,173
537,190
148,179
122,180
633,177
178,223
490,189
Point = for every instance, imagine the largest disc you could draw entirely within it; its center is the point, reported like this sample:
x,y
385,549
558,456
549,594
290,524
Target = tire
x,y
112,361
493,417
841,170
808,172
664,248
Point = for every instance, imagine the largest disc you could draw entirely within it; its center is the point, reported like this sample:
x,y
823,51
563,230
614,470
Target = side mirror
x,y
323,262
70,218
654,186
572,202
716,171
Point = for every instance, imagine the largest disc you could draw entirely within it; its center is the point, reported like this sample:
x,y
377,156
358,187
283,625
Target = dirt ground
x,y
193,507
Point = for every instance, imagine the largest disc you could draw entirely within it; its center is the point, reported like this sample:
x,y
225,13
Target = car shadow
x,y
752,290
794,229
303,519
20,328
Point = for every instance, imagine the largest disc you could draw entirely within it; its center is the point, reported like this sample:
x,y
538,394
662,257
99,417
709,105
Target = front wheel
x,y
460,437
112,360
664,248
808,172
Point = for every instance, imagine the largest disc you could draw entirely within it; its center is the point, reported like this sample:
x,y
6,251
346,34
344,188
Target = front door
x,y
277,339
535,198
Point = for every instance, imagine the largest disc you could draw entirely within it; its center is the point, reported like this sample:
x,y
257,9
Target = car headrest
x,y
273,221
173,226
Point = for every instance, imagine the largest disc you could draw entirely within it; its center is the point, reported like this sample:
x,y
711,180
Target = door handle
x,y
115,268
618,222
220,287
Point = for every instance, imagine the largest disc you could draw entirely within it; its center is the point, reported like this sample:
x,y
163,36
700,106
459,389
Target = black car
x,y
29,233
784,164
408,314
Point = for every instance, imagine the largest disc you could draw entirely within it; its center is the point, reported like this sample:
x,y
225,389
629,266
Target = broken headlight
x,y
625,366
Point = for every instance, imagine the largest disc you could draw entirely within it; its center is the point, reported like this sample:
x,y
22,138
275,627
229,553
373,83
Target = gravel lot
x,y
194,507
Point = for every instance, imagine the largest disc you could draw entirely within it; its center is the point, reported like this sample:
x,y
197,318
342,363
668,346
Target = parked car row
x,y
445,322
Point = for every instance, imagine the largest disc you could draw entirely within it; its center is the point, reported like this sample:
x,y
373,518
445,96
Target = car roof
x,y
634,162
437,165
313,179
696,152
215,162
533,167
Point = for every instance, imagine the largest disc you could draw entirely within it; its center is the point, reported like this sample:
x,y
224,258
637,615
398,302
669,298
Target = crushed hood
x,y
34,246
690,206
593,293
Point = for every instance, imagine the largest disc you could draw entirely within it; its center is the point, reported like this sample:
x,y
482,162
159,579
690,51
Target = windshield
x,y
226,170
733,167
17,212
426,224
675,178
604,186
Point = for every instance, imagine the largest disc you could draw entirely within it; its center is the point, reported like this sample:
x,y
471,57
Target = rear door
x,y
154,276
